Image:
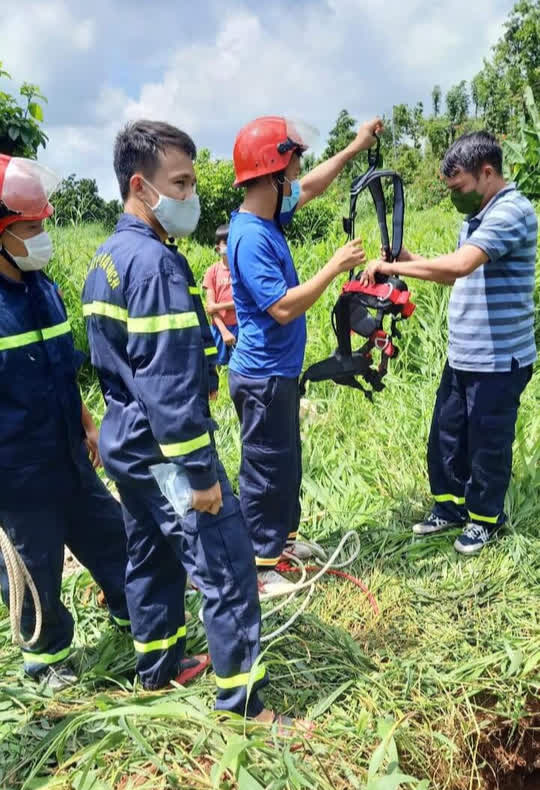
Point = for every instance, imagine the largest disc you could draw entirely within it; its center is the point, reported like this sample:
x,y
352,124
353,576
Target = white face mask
x,y
39,248
178,218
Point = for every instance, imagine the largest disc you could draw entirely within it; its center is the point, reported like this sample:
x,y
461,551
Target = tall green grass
x,y
405,698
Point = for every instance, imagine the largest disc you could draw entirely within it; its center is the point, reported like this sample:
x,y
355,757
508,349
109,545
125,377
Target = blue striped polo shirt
x,y
491,311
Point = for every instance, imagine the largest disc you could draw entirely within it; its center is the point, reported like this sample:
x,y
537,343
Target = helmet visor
x,y
27,187
301,134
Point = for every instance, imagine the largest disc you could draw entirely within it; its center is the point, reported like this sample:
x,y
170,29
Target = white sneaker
x,y
474,538
432,524
273,583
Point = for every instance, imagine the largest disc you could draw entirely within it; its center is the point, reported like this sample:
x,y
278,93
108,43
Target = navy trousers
x,y
217,554
271,465
470,443
49,507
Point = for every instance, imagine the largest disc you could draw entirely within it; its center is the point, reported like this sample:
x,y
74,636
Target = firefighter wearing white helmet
x,y
50,495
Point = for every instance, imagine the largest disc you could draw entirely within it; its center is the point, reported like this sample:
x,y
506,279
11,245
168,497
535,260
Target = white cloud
x,y
308,60
39,38
246,69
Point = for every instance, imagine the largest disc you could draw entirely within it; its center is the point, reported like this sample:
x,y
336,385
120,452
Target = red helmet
x,y
25,187
267,144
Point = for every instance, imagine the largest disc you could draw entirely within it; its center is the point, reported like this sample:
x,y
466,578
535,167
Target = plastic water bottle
x,y
174,485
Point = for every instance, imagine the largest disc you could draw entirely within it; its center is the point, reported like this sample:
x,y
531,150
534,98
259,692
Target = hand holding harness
x,y
362,309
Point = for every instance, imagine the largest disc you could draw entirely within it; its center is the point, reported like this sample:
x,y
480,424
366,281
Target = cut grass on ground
x,y
439,690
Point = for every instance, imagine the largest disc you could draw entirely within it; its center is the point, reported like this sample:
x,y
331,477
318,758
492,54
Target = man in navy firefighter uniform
x,y
50,495
154,353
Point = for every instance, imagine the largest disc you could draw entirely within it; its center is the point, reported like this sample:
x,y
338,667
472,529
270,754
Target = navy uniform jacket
x,y
40,403
154,353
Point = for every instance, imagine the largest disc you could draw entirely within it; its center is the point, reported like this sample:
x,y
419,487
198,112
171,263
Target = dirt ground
x,y
512,750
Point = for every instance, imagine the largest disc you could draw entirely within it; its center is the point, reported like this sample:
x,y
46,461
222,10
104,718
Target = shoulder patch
x,y
104,261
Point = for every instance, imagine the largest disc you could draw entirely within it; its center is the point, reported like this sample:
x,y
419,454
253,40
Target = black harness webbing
x,y
361,309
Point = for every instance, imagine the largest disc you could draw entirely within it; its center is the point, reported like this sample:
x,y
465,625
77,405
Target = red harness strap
x,y
383,291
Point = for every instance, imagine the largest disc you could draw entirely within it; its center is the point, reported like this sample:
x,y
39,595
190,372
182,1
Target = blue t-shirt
x,y
262,272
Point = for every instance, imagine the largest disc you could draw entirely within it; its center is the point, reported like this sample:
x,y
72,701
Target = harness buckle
x,y
380,340
386,296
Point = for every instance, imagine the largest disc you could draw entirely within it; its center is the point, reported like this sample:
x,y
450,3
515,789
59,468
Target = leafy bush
x,y
522,156
20,132
77,201
315,220
428,188
408,161
215,178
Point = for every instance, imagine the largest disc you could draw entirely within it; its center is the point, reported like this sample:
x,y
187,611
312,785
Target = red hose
x,y
286,567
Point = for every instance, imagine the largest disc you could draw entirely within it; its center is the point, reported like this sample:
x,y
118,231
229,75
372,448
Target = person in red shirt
x,y
219,300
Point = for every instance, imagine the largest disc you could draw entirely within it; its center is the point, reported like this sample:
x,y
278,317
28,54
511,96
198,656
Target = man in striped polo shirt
x,y
491,341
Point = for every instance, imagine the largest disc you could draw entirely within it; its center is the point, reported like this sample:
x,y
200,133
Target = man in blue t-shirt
x,y
271,305
491,342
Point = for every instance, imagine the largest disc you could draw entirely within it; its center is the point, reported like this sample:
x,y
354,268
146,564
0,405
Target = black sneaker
x,y
474,538
58,677
433,523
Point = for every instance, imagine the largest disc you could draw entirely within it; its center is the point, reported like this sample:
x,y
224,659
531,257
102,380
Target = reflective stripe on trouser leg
x,y
493,400
489,520
270,466
218,556
155,584
456,500
448,466
48,510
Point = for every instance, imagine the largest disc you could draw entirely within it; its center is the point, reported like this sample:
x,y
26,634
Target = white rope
x,y
19,579
309,584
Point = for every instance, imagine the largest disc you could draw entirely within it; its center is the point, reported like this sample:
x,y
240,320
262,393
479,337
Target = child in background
x,y
219,300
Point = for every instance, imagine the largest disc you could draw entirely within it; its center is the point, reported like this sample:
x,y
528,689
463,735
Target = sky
x,y
209,66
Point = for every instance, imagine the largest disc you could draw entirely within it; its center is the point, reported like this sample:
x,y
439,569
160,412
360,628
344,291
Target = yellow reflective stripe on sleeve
x,y
457,500
183,448
292,535
486,519
194,290
161,323
210,350
120,620
264,561
160,644
16,341
105,309
54,331
46,658
241,680
34,336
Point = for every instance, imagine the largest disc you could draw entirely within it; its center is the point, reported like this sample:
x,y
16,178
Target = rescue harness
x,y
362,309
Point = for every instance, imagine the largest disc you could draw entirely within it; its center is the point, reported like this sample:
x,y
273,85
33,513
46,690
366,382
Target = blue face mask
x,y
289,203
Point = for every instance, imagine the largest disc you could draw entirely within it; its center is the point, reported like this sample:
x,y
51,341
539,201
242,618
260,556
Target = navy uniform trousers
x,y
217,554
271,465
470,443
45,509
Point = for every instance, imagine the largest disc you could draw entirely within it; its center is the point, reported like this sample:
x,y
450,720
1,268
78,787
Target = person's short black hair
x,y
470,151
138,146
222,233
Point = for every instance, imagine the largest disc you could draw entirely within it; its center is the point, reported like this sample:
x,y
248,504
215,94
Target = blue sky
x,y
211,66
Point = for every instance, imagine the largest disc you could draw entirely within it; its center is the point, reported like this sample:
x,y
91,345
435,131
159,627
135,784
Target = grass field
x,y
438,690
